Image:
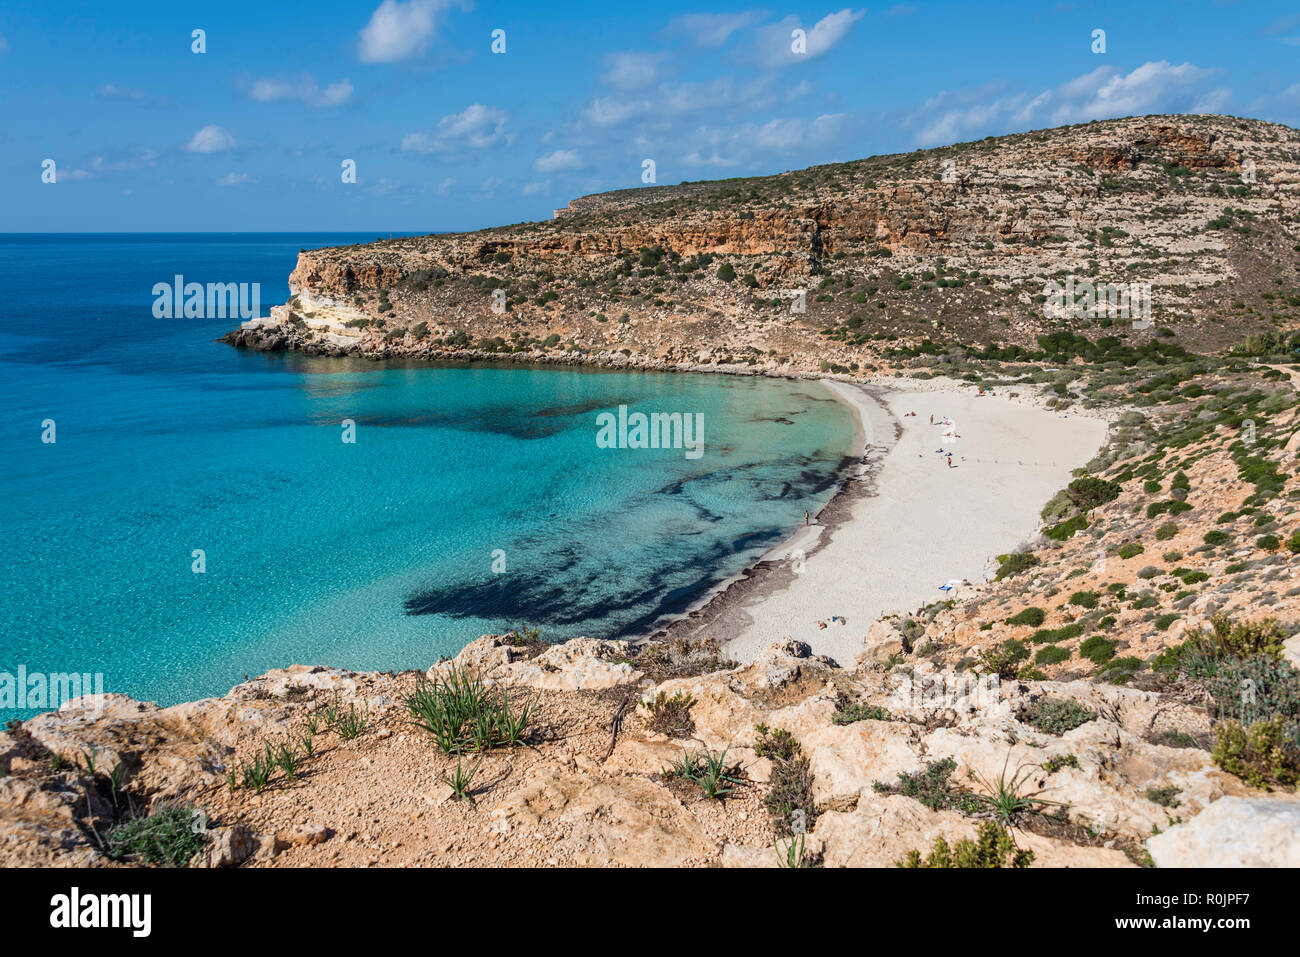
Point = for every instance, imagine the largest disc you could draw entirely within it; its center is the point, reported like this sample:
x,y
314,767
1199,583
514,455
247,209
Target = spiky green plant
x,y
1004,796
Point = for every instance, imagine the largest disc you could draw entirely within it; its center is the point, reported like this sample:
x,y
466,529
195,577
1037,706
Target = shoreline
x,y
876,432
905,522
728,610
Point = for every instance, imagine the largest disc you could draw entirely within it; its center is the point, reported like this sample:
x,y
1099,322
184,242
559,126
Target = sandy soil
x,y
925,524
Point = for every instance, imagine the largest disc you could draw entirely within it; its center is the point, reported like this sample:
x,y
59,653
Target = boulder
x,y
1234,832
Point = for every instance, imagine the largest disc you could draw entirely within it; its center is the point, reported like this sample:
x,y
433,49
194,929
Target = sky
x,y
400,116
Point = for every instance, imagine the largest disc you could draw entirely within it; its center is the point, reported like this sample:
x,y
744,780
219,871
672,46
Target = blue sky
x,y
251,134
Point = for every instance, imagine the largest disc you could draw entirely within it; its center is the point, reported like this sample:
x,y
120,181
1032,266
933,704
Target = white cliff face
x,y
330,320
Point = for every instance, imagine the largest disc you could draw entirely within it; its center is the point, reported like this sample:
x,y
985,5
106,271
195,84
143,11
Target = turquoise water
x,y
373,555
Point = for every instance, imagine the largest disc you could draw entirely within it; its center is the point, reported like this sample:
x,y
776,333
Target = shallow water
x,y
473,497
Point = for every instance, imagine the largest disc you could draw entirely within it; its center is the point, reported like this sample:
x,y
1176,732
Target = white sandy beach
x,y
926,523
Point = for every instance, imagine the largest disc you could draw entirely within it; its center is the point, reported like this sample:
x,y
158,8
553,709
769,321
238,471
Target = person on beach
x,y
807,519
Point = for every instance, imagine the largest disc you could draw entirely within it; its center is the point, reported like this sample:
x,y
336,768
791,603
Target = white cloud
x,y
680,99
711,29
400,31
633,70
1103,93
114,92
731,146
558,162
304,89
445,186
210,139
120,161
235,179
773,46
532,189
475,127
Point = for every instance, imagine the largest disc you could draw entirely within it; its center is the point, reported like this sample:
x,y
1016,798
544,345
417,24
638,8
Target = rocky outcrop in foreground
x,y
590,781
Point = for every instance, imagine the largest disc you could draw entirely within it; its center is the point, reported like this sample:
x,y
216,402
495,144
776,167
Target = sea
x,y
180,514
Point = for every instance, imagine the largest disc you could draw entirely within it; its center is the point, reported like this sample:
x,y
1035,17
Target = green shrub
x,y
1216,537
1263,637
726,272
992,848
1004,661
1268,542
1057,716
1195,578
1263,755
1084,599
853,712
1120,670
1051,655
1067,529
931,786
1293,543
1166,531
1032,616
789,799
1089,492
1014,564
165,836
1130,550
1097,649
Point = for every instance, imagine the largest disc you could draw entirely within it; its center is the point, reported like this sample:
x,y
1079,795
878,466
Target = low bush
x,y
992,848
164,837
1097,649
1032,616
1057,716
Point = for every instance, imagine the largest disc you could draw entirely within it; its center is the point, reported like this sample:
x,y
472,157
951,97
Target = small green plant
x,y
715,776
792,854
1004,796
1004,661
855,711
286,758
670,715
708,770
1014,564
992,848
1165,797
1054,764
256,774
462,713
1130,550
1057,715
931,786
461,779
351,723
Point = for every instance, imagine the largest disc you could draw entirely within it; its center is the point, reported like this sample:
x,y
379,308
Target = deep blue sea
x,y
373,555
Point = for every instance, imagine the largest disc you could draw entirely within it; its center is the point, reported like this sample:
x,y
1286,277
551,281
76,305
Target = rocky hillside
x,y
954,244
664,758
